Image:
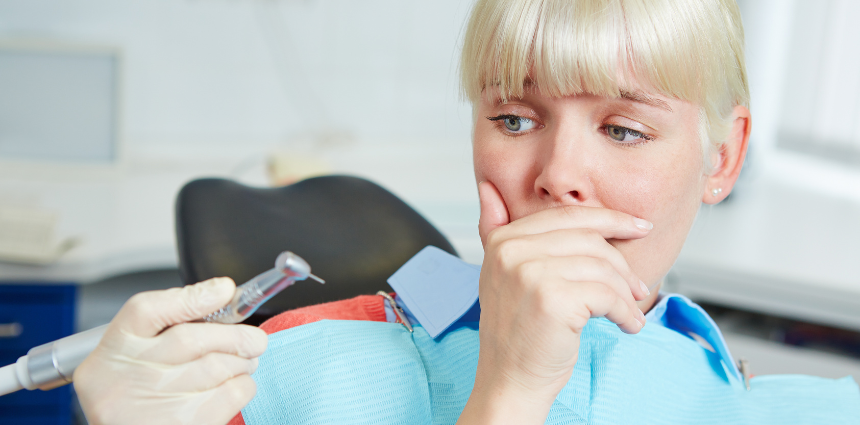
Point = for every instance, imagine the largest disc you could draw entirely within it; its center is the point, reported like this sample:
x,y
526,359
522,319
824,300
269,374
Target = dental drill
x,y
52,365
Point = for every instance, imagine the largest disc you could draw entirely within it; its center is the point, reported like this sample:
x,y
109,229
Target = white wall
x,y
368,86
263,72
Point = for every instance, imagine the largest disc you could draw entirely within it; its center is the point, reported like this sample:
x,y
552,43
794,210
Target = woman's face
x,y
639,154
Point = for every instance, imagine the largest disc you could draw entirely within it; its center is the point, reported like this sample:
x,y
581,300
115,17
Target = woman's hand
x,y
543,277
152,367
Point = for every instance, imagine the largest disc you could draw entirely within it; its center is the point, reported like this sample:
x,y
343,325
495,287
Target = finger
x,y
600,301
590,269
189,341
206,373
494,212
575,270
582,242
148,313
225,401
605,302
610,224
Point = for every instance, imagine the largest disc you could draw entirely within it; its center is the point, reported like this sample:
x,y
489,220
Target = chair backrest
x,y
353,233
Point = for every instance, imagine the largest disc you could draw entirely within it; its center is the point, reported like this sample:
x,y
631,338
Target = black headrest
x,y
353,233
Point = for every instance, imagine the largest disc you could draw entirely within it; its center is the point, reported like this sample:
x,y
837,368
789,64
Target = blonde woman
x,y
600,127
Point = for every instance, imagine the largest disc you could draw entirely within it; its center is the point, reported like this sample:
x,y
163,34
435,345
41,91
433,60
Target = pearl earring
x,y
717,191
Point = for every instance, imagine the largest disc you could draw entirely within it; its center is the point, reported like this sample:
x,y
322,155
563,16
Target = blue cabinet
x,y
43,313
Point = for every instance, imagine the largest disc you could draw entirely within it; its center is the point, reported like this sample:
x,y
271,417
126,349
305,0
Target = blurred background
x,y
107,108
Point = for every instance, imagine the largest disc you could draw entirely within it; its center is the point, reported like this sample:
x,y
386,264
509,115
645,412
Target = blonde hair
x,y
687,49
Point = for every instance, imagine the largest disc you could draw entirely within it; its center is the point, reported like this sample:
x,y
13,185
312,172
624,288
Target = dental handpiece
x,y
52,365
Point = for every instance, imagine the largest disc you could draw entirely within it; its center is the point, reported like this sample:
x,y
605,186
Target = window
x,y
821,109
57,104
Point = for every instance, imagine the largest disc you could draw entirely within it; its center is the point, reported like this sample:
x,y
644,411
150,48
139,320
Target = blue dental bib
x,y
344,372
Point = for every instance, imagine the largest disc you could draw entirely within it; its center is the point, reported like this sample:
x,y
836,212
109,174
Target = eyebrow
x,y
527,84
635,96
640,97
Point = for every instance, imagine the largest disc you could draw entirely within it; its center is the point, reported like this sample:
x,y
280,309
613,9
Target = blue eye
x,y
624,134
513,123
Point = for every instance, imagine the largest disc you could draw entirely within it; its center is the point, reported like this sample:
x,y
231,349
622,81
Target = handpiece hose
x,y
52,365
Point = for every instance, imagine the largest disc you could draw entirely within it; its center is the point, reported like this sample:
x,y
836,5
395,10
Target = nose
x,y
563,174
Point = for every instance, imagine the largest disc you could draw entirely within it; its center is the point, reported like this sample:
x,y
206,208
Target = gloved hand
x,y
152,367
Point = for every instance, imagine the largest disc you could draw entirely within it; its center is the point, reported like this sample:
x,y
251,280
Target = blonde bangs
x,y
690,50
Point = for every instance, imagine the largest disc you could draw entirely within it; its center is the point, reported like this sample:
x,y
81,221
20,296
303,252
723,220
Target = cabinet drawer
x,y
39,314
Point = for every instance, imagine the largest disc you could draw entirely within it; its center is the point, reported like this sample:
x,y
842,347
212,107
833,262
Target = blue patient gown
x,y
342,372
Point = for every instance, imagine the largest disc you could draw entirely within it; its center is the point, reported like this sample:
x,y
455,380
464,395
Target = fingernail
x,y
254,363
644,287
643,224
205,294
641,317
640,323
211,284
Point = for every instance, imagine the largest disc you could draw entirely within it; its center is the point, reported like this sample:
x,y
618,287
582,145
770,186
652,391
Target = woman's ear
x,y
730,158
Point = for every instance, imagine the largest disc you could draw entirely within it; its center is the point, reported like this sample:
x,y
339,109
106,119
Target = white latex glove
x,y
145,370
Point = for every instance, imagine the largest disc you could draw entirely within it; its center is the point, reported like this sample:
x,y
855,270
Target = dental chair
x,y
352,232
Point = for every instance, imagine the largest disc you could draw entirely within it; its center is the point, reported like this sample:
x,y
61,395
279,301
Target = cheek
x,y
657,182
652,193
488,164
505,163
666,193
